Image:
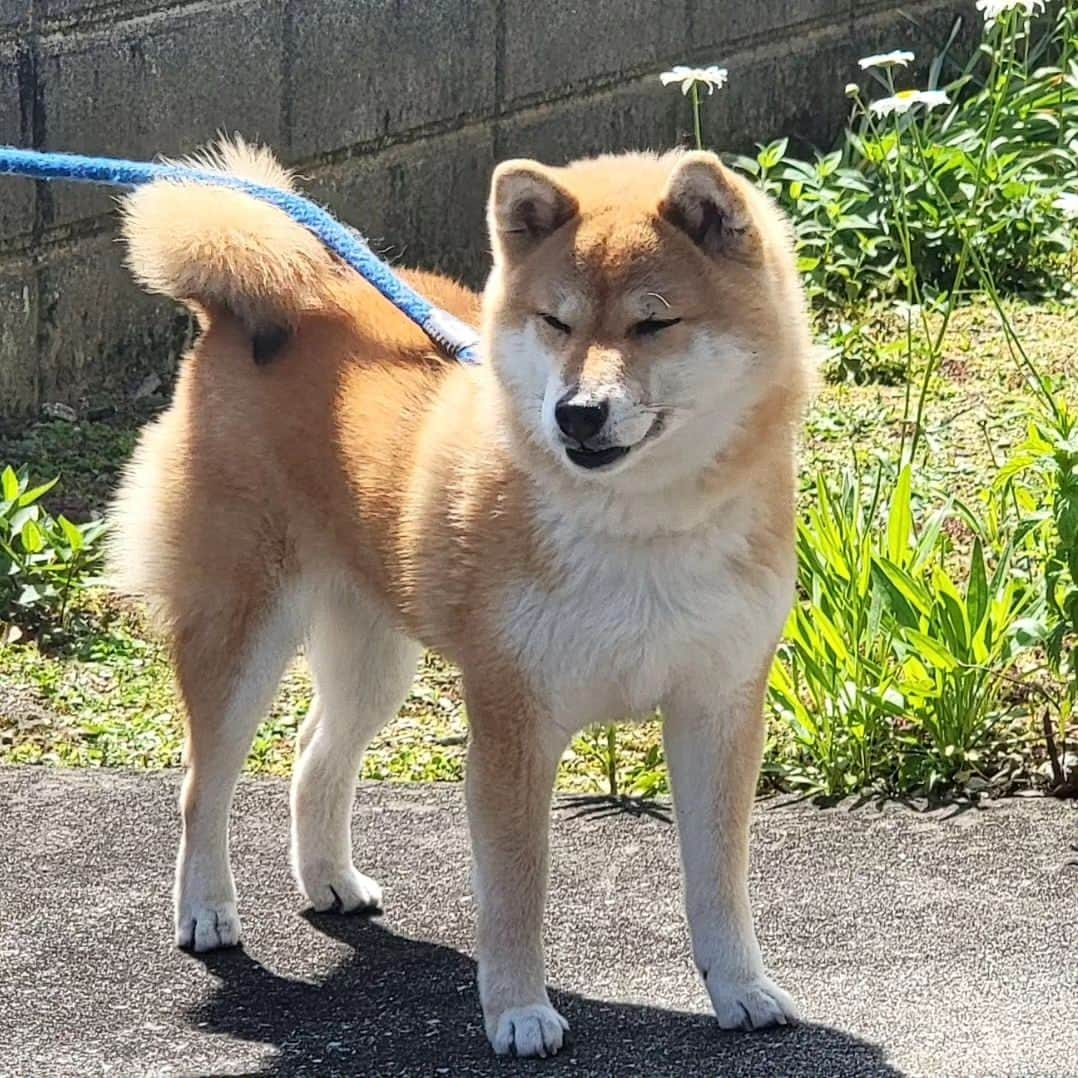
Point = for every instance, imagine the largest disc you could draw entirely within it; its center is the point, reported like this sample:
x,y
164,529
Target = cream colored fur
x,y
223,248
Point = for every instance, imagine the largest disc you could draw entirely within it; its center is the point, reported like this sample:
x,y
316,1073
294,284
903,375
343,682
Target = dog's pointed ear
x,y
704,201
527,204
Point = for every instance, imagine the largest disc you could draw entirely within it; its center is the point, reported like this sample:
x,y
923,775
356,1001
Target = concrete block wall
x,y
395,111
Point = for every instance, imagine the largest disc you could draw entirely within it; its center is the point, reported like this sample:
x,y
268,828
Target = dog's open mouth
x,y
596,458
593,459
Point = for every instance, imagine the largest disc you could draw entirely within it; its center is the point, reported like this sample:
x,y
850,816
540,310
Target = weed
x,y
43,559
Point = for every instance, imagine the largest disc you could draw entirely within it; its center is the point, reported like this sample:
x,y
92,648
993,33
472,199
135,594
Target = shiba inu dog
x,y
595,522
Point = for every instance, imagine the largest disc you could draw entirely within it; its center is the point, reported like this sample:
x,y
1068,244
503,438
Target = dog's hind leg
x,y
228,664
362,667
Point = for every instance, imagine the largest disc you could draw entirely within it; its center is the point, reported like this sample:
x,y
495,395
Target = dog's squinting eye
x,y
555,323
652,325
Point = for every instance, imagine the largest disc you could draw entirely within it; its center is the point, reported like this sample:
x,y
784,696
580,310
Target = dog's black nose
x,y
580,420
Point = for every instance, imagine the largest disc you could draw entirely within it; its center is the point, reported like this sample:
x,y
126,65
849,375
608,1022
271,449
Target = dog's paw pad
x,y
343,891
754,1004
537,1030
208,927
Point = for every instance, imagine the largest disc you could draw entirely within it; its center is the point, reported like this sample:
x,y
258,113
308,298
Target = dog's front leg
x,y
512,759
714,740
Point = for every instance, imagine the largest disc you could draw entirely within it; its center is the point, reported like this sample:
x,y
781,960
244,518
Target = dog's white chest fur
x,y
627,618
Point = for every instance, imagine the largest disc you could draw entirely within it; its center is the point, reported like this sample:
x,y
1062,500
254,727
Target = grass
x,y
102,694
978,397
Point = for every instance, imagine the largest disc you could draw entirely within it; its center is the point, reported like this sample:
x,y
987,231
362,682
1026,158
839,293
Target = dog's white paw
x,y
536,1030
344,890
753,1004
208,926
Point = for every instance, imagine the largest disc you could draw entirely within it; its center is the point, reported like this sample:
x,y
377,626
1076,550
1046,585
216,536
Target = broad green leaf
x,y
930,649
29,595
1029,632
9,484
915,596
72,534
31,538
20,517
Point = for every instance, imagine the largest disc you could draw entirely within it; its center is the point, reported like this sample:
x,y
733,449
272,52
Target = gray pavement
x,y
940,943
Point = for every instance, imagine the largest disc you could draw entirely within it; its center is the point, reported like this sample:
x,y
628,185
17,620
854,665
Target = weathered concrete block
x,y
420,205
923,28
727,24
361,71
16,195
14,14
53,9
314,79
164,83
99,332
555,45
912,11
643,115
18,345
779,90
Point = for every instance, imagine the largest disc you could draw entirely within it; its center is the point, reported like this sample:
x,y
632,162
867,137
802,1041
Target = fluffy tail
x,y
214,248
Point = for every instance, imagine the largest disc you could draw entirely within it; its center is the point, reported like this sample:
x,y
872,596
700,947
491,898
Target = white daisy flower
x,y
992,9
904,100
1067,204
898,58
714,78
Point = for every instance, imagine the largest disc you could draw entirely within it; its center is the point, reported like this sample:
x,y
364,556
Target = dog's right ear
x,y
526,205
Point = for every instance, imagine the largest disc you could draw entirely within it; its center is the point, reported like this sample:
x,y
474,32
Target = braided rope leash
x,y
445,330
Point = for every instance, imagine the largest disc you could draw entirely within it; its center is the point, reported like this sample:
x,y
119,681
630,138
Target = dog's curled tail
x,y
214,247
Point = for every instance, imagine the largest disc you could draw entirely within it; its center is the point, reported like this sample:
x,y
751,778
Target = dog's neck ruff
x,y
448,332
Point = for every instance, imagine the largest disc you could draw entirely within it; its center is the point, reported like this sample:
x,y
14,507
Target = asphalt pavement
x,y
917,943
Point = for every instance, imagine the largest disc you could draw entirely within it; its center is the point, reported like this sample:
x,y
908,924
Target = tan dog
x,y
595,522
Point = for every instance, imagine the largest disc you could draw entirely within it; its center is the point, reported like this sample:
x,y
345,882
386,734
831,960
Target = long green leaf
x,y
977,588
30,496
72,534
914,593
900,520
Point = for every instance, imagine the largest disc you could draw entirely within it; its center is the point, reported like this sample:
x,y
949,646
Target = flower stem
x,y
988,283
612,760
1003,58
697,132
896,177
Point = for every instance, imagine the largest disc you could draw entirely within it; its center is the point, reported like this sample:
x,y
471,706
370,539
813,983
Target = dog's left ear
x,y
527,204
703,200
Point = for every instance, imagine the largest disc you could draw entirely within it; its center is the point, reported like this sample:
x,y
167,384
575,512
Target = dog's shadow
x,y
397,1006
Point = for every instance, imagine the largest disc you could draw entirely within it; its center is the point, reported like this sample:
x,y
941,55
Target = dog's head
x,y
639,308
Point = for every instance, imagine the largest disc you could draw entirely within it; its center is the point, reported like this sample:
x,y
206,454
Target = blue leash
x,y
448,332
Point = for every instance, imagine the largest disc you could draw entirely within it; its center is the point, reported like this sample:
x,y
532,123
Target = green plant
x,y
891,675
845,251
599,746
1000,151
43,559
1042,477
928,186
